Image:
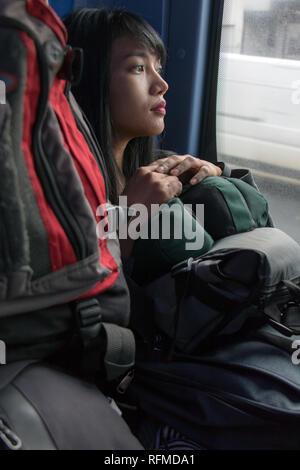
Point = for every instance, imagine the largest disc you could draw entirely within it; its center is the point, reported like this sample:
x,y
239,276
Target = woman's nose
x,y
159,85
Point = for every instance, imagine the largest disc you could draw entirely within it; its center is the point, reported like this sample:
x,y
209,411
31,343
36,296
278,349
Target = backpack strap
x,y
120,350
113,344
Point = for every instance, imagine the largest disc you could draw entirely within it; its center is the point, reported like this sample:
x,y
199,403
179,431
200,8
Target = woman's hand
x,y
149,187
187,168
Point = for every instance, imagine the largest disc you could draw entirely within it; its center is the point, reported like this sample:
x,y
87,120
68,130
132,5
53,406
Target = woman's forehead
x,y
124,47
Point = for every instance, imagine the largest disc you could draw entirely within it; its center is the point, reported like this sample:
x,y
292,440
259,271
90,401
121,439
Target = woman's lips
x,y
160,109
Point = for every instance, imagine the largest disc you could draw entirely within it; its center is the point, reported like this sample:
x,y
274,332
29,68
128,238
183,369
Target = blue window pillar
x,y
187,49
62,8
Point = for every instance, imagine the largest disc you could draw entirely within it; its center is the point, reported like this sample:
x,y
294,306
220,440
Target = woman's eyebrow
x,y
143,54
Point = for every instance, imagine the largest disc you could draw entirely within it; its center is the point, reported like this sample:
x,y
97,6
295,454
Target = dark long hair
x,y
94,30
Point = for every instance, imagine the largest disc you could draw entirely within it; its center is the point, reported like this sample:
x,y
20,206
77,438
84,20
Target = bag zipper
x,y
9,438
53,192
90,139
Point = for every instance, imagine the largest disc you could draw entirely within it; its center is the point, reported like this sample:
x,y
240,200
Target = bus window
x,y
258,111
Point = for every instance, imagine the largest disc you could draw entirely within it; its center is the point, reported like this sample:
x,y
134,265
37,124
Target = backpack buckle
x,y
88,314
183,267
71,69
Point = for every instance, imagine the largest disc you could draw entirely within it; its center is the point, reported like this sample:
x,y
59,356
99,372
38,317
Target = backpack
x,y
61,288
248,278
190,225
217,364
231,205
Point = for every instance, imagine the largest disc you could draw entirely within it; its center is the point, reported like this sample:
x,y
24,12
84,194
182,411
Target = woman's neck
x,y
118,151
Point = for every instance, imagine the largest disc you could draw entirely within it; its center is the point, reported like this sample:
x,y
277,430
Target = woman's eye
x,y
139,68
159,70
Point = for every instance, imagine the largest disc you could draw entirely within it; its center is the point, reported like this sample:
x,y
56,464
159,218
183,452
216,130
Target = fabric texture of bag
x,y
54,271
42,408
171,233
243,395
230,205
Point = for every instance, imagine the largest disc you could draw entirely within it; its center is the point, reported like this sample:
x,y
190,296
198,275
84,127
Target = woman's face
x,y
137,105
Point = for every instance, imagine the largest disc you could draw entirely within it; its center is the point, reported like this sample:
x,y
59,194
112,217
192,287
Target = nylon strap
x,y
120,350
119,353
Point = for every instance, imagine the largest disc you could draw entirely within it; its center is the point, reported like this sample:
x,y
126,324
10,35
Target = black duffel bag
x,y
43,408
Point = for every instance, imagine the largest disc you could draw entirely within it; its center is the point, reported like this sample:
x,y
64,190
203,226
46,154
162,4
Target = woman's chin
x,y
151,130
157,129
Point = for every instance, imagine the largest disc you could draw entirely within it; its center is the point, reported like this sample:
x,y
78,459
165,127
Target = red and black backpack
x,y
56,276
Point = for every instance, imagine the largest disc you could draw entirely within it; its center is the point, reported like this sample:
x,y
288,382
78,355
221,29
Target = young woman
x,y
122,94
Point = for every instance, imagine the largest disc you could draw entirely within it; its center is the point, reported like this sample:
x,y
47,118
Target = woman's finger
x,y
167,164
190,163
174,187
204,172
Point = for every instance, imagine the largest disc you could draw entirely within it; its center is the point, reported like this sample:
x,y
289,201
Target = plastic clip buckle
x,y
89,318
71,69
183,267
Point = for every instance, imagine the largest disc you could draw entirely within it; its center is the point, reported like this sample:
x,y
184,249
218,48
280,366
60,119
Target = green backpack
x,y
229,206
